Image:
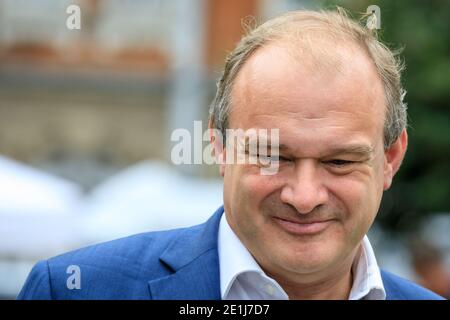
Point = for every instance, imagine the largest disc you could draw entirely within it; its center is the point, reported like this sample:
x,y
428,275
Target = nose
x,y
304,190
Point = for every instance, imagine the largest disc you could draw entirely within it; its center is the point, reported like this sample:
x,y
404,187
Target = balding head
x,y
309,34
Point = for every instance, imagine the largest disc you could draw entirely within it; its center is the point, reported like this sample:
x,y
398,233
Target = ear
x,y
215,137
394,157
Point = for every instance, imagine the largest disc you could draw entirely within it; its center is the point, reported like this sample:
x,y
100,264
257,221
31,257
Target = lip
x,y
301,229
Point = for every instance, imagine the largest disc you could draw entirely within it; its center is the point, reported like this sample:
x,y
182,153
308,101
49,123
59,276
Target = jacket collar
x,y
393,292
194,260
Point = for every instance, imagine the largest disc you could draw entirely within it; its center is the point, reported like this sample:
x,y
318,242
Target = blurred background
x,y
86,118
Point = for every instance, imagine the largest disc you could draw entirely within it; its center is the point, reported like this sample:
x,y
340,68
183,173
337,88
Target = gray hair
x,y
333,23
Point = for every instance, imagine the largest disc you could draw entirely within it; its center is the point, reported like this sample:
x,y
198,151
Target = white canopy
x,y
149,196
37,212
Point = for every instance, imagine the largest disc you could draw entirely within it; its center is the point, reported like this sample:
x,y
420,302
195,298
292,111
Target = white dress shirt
x,y
241,278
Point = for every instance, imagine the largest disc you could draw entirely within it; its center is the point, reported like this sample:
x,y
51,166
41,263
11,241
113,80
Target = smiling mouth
x,y
300,228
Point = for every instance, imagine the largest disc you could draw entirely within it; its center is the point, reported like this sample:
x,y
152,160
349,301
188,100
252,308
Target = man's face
x,y
311,215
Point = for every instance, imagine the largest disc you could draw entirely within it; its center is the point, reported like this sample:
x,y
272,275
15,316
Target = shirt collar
x,y
235,260
367,281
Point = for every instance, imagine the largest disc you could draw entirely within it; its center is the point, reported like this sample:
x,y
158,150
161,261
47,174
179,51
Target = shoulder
x,y
398,288
135,249
115,269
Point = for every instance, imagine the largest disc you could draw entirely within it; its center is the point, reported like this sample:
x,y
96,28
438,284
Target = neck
x,y
333,286
330,289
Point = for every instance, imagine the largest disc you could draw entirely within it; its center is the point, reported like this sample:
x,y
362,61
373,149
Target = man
x,y
334,93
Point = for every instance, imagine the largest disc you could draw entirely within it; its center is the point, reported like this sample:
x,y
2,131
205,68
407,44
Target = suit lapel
x,y
194,260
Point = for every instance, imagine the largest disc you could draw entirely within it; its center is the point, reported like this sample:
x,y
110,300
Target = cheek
x,y
360,195
251,186
254,190
242,191
245,196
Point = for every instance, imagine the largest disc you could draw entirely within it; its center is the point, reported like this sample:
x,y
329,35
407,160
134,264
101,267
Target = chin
x,y
305,266
309,258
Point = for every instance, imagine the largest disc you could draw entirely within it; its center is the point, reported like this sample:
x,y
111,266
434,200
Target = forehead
x,y
333,94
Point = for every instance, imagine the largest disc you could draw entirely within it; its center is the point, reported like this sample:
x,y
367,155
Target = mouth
x,y
303,228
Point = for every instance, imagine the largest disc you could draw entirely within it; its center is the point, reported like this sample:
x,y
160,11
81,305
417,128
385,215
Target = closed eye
x,y
273,158
339,162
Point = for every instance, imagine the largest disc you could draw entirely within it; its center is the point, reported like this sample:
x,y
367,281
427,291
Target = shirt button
x,y
270,290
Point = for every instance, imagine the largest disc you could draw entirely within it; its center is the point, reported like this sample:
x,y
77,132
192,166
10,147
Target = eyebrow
x,y
356,149
362,150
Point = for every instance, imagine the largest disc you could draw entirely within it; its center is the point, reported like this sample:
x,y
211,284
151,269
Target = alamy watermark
x,y
74,279
374,19
252,146
73,21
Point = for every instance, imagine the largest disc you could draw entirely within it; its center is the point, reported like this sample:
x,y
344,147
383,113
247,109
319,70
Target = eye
x,y
340,162
272,158
266,157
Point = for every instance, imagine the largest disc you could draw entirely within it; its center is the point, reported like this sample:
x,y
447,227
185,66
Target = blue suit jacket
x,y
173,264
